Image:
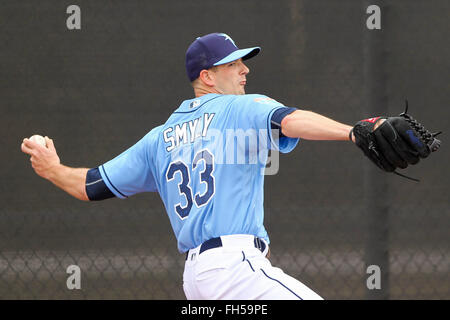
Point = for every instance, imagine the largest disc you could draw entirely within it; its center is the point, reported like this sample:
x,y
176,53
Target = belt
x,y
212,243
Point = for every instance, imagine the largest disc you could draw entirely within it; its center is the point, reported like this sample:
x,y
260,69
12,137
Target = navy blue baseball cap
x,y
212,50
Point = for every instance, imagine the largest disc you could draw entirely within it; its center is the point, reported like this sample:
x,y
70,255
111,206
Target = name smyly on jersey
x,y
187,132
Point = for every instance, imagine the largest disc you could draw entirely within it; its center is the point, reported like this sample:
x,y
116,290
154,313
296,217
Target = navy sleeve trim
x,y
96,189
112,185
278,116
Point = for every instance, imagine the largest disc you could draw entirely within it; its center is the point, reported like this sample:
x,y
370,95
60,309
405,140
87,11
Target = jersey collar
x,y
195,103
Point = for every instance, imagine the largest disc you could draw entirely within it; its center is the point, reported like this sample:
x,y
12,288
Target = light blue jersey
x,y
207,163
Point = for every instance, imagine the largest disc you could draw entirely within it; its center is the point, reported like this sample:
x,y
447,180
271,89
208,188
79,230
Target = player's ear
x,y
207,77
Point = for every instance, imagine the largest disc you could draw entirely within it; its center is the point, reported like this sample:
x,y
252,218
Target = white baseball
x,y
39,139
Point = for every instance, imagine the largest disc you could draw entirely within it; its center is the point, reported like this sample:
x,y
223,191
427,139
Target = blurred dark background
x,y
98,90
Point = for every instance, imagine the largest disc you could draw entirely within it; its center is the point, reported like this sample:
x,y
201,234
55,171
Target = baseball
x,y
39,139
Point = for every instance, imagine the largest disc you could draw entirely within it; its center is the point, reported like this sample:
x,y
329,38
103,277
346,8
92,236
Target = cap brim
x,y
245,54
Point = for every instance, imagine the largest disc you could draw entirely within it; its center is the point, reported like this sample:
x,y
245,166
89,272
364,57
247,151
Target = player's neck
x,y
202,91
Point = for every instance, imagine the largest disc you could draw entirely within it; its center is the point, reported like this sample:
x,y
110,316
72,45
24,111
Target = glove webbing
x,y
426,136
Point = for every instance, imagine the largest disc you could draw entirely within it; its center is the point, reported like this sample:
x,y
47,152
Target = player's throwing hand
x,y
43,159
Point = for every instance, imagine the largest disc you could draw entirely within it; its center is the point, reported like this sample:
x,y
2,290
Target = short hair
x,y
213,69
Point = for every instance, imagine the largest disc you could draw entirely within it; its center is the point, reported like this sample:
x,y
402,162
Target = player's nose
x,y
245,70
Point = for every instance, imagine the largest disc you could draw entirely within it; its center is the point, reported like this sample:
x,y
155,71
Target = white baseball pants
x,y
238,270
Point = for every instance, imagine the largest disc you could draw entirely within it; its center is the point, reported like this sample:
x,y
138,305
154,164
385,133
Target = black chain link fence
x,y
97,90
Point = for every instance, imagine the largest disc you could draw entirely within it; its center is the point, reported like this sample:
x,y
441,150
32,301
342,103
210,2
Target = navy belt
x,y
217,242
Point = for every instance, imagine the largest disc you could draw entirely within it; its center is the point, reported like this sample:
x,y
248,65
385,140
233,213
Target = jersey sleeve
x,y
132,171
256,111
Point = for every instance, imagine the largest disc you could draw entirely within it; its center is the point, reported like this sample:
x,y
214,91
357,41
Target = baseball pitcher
x,y
207,164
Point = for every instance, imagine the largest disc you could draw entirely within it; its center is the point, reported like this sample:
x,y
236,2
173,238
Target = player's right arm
x,y
313,126
46,163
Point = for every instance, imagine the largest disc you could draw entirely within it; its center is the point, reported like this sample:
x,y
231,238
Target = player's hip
x,y
228,244
212,267
238,269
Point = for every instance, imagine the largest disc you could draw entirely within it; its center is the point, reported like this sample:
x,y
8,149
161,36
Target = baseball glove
x,y
396,143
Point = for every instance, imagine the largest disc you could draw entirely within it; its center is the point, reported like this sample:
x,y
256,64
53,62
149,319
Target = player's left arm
x,y
46,163
121,177
313,126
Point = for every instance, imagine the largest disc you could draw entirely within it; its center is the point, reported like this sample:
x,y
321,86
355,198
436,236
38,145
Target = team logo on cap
x,y
227,37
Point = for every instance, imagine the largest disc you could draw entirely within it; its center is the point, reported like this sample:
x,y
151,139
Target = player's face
x,y
230,78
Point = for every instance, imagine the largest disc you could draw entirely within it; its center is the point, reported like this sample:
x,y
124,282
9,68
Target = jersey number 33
x,y
199,177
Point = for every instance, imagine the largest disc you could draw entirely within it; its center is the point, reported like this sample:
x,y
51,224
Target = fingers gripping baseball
x,y
43,158
50,144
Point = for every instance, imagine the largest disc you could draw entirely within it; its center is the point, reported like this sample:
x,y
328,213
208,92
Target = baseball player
x,y
207,163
